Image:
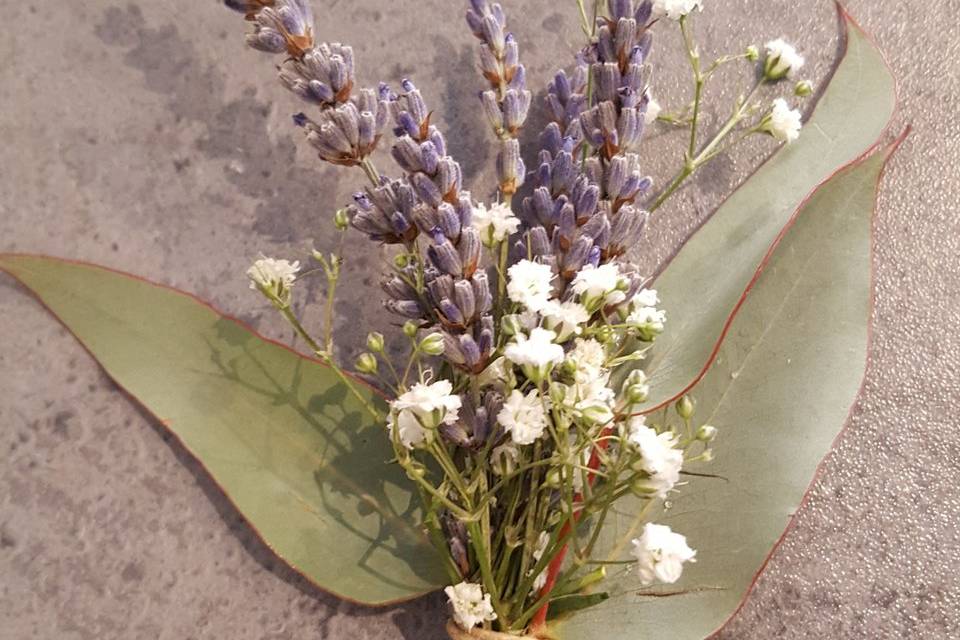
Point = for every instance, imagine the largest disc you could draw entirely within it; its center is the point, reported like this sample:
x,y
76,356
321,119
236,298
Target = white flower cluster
x,y
496,223
660,554
274,278
416,414
541,331
471,606
783,123
675,9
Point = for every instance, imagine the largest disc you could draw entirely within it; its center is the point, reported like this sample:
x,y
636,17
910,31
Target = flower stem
x,y
692,163
327,359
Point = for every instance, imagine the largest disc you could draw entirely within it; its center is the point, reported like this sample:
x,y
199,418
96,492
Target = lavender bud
x,y
446,258
465,299
469,251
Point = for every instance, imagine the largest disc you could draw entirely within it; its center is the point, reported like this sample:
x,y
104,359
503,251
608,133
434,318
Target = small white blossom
x,y
646,298
675,9
592,399
530,284
783,123
274,277
503,458
589,357
471,606
536,354
601,285
541,579
565,318
783,61
496,223
660,554
418,411
659,457
652,112
523,416
648,321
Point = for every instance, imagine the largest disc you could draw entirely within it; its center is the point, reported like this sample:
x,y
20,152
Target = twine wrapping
x,y
456,633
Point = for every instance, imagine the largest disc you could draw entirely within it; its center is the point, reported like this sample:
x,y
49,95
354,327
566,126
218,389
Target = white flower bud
x,y
410,329
684,407
803,89
341,219
783,61
432,345
367,363
375,342
706,433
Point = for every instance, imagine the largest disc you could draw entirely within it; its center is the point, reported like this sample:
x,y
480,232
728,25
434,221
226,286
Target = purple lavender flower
x,y
347,134
279,25
507,102
457,290
323,76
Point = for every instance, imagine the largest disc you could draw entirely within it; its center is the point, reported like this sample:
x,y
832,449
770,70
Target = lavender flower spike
x,y
507,102
279,25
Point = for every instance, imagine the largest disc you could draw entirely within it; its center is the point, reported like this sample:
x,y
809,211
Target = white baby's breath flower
x,y
648,321
564,318
783,123
496,223
592,400
675,9
523,416
589,358
273,277
600,286
660,554
659,457
503,458
530,284
782,61
541,579
652,112
536,354
471,606
416,413
646,298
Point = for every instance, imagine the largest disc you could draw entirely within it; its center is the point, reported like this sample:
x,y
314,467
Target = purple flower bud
x,y
445,258
481,292
449,221
429,159
594,258
406,308
470,350
491,108
451,349
300,119
469,251
451,313
463,291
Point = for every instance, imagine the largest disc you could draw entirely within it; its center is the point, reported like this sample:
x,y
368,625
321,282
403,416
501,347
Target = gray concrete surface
x,y
142,135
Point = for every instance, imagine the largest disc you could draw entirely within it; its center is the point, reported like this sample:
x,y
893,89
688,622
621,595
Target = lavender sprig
x,y
457,289
507,102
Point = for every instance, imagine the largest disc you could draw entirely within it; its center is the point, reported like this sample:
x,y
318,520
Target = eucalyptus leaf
x,y
291,448
706,281
780,390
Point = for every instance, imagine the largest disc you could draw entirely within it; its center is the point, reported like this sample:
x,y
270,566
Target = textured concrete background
x,y
142,135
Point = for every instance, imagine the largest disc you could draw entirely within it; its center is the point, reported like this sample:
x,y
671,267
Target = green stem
x,y
692,164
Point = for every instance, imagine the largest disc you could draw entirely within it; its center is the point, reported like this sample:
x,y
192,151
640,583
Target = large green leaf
x,y
291,448
780,390
702,286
